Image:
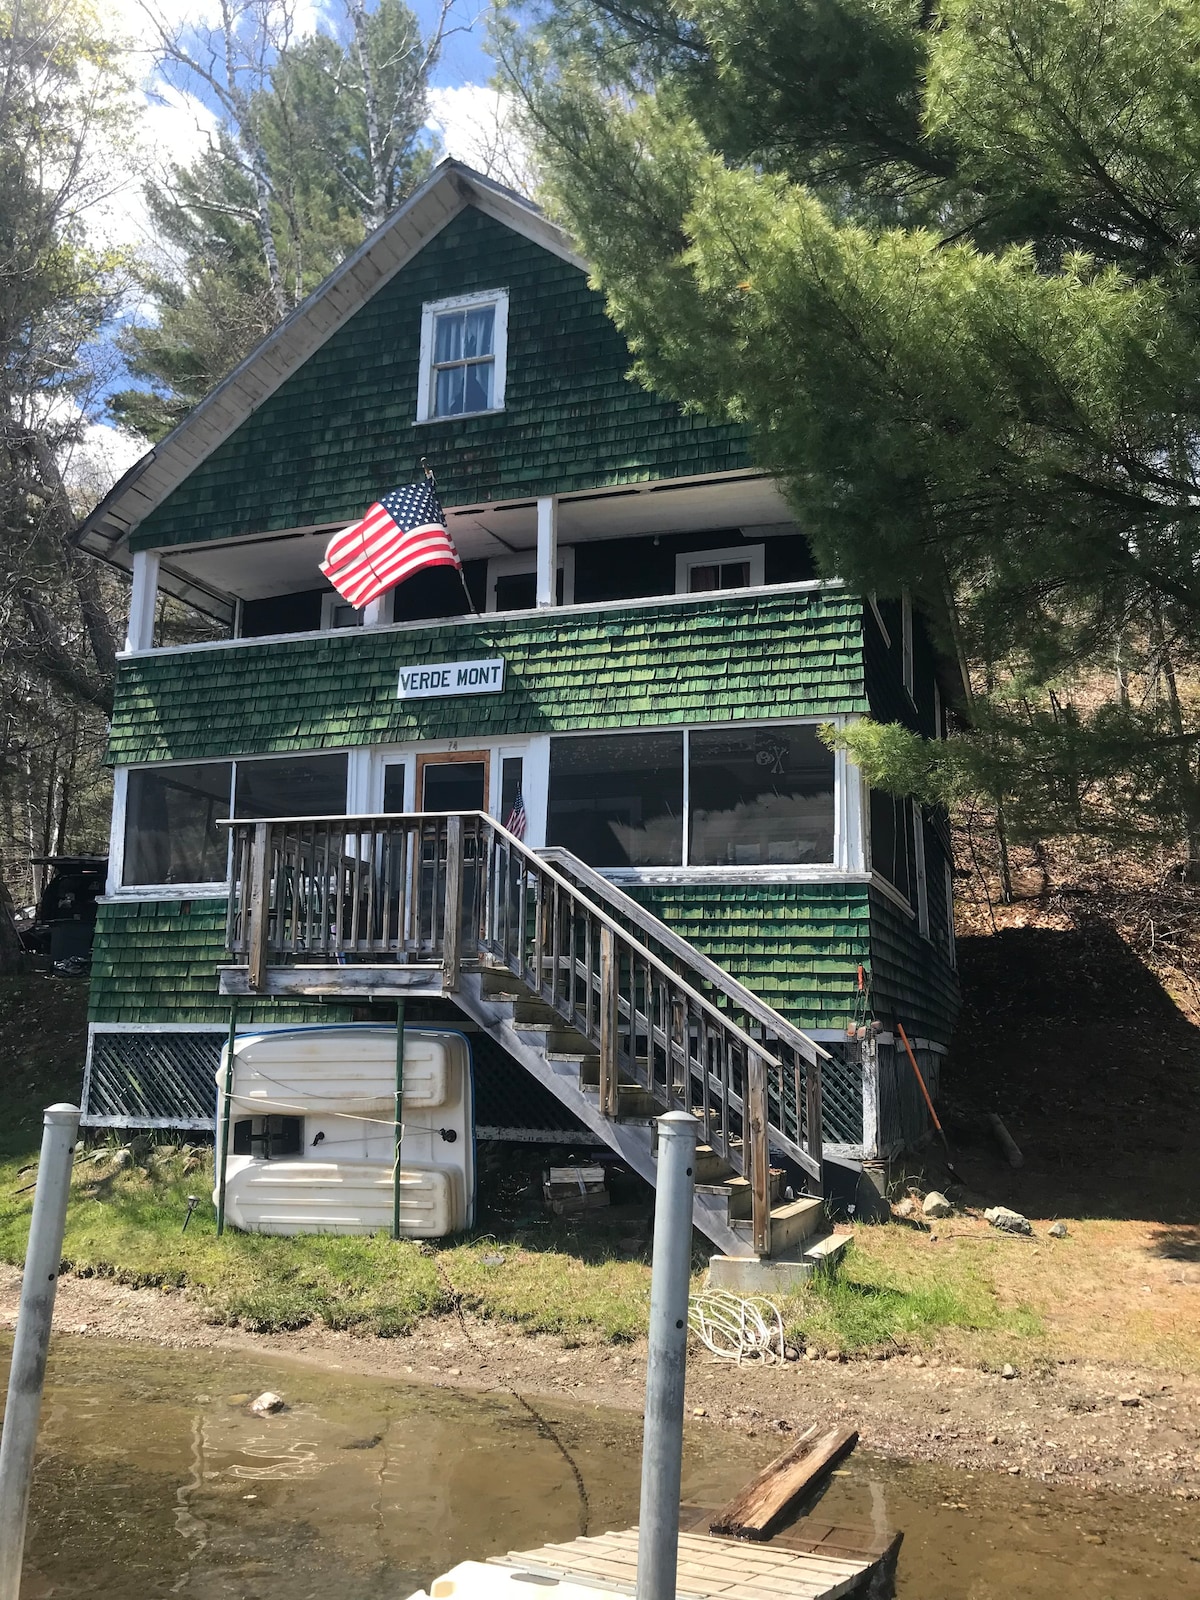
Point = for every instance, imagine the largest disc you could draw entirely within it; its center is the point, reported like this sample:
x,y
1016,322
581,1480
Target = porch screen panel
x,y
760,797
292,786
617,800
171,832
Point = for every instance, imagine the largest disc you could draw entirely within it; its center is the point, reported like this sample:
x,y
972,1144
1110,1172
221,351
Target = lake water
x,y
153,1480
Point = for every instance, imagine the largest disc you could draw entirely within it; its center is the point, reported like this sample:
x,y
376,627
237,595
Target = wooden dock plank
x,y
763,1504
709,1567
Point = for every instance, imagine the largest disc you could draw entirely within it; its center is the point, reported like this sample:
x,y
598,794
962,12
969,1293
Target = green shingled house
x,y
706,907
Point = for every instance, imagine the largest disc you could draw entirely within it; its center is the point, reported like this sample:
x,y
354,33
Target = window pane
x,y
454,786
171,833
512,776
345,616
890,840
516,591
760,797
478,331
735,574
293,786
393,786
701,578
448,337
478,394
617,801
448,400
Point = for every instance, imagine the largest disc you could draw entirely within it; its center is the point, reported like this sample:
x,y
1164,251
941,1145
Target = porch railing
x,y
455,889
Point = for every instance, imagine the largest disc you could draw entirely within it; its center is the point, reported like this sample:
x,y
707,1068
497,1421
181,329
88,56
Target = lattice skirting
x,y
842,1094
166,1078
152,1078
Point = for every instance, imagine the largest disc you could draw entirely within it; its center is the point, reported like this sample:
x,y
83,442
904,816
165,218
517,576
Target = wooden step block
x,y
741,1193
709,1166
497,983
557,1041
535,1014
795,1221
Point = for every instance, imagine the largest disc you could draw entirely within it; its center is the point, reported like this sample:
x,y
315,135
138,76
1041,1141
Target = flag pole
x,y
462,577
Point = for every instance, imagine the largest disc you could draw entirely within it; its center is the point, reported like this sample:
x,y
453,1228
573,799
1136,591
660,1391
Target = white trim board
x,y
540,613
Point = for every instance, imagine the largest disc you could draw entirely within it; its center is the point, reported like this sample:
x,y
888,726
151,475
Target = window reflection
x,y
171,832
760,797
617,800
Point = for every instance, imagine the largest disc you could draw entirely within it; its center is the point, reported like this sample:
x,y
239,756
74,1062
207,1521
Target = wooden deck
x,y
710,1568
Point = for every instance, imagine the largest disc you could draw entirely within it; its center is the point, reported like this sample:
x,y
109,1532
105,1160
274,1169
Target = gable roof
x,y
449,190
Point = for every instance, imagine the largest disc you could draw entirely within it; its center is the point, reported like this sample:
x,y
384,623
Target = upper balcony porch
x,y
628,542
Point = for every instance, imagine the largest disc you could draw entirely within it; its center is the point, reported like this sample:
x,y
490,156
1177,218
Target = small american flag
x,y
516,819
401,533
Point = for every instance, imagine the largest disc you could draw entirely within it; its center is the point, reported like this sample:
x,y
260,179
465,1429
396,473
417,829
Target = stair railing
x,y
456,889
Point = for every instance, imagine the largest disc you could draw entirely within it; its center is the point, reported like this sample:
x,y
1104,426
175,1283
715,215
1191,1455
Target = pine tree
x,y
943,263
321,137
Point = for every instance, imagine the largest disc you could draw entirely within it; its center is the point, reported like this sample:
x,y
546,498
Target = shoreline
x,y
1080,1424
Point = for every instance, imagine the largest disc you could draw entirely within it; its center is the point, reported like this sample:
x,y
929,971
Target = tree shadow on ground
x,y
1094,1069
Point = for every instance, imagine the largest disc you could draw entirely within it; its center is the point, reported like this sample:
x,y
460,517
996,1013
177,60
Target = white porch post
x,y
142,600
547,551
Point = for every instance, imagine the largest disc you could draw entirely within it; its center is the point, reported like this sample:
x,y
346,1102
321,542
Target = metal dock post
x,y
27,1375
666,1361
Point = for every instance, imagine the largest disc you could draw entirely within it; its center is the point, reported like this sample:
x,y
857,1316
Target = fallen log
x,y
761,1507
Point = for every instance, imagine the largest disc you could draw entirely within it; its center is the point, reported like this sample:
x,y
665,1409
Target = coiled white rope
x,y
738,1328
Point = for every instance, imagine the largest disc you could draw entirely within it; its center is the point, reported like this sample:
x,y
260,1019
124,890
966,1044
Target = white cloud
x,y
476,125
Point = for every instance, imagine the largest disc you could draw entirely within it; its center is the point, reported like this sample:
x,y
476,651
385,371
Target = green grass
x,y
892,1295
582,1279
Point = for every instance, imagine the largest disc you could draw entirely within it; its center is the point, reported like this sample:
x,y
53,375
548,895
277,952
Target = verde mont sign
x,y
451,677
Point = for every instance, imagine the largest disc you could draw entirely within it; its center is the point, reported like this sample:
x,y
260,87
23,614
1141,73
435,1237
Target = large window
x,y
617,800
759,797
171,832
891,841
463,349
291,786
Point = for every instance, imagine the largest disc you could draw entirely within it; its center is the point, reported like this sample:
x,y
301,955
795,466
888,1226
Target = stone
x,y
1131,1399
812,1353
268,1404
1008,1371
1007,1221
122,1159
1057,1230
936,1205
905,1208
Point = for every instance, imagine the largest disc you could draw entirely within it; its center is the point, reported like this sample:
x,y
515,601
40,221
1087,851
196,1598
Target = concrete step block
x,y
777,1274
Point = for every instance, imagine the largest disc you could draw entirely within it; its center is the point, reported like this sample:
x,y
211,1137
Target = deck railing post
x,y
666,1359
452,925
814,1115
398,1119
756,1136
27,1374
226,1111
608,1022
260,908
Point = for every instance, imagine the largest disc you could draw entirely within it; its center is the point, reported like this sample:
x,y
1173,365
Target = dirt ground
x,y
1089,1425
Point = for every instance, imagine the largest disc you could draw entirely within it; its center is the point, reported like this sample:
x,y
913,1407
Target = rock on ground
x,y
936,1205
1008,1221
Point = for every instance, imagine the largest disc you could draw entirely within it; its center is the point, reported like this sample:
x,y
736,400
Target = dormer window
x,y
464,344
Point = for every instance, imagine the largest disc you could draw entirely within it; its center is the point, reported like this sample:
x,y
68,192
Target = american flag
x,y
400,534
516,819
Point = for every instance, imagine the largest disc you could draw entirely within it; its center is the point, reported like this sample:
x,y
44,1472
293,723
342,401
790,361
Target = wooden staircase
x,y
614,1013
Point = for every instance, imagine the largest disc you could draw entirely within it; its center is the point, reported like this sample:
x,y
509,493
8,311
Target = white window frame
x,y
116,889
329,604
917,811
426,377
906,645
522,565
755,554
849,823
